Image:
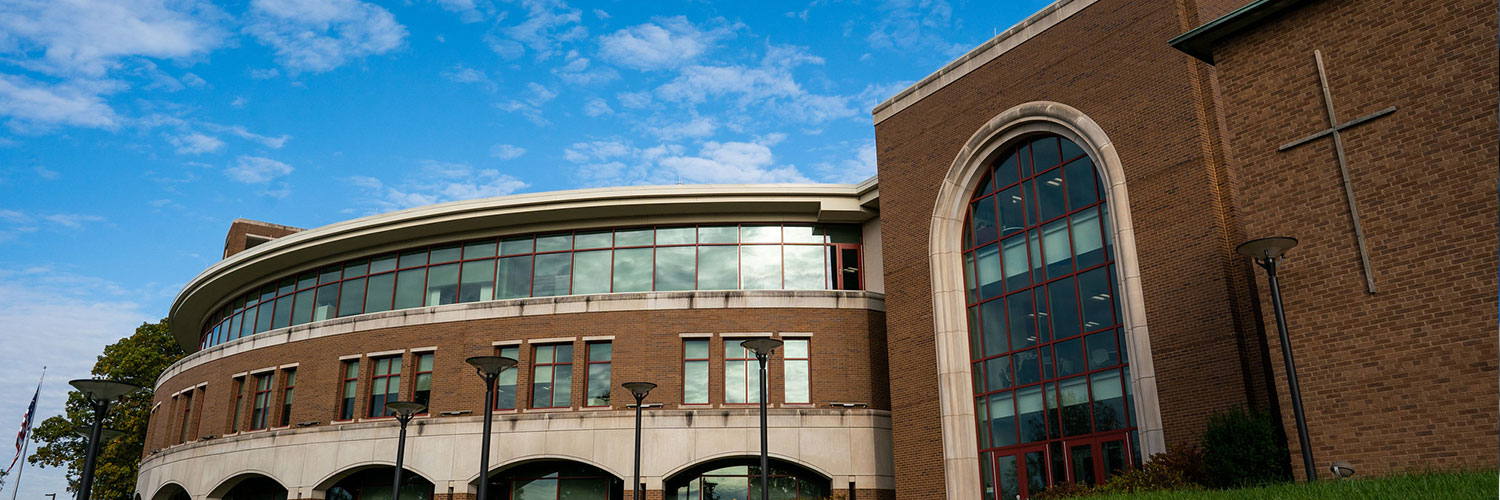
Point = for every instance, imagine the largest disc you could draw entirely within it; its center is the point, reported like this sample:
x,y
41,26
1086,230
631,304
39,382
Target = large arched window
x,y
256,487
556,480
1051,378
739,479
374,483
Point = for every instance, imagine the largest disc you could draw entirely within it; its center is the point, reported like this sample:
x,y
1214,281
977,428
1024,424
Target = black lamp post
x,y
99,393
763,348
639,390
1267,253
405,411
489,368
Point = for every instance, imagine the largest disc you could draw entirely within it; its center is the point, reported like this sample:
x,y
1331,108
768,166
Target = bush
x,y
1060,491
1244,448
1179,468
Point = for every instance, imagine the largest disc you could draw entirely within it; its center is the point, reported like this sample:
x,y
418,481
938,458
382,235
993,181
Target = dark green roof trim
x,y
1200,41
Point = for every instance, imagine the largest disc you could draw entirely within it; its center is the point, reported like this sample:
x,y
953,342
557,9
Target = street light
x,y
106,434
489,368
1267,253
763,347
639,390
405,411
99,393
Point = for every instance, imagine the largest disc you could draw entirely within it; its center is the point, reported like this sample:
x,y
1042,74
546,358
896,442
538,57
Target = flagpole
x,y
26,445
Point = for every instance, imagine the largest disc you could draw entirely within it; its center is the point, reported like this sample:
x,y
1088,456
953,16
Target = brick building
x,y
1049,292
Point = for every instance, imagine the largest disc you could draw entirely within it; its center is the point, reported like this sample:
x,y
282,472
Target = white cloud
x,y
698,126
577,71
850,170
195,143
32,104
636,100
467,10
771,87
596,150
464,74
320,35
666,43
256,170
531,107
72,221
193,80
548,24
46,173
239,102
437,182
264,74
89,37
506,151
616,163
916,27
240,131
597,107
15,222
732,163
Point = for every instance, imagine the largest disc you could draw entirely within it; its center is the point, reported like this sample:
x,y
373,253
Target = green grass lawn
x,y
1433,485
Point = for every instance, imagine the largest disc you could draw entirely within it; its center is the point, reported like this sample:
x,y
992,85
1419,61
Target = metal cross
x,y
1338,147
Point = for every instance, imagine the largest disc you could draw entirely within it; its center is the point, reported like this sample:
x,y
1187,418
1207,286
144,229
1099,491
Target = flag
x,y
25,427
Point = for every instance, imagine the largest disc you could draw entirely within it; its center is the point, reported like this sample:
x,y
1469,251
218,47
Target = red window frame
x,y
537,367
289,384
261,404
707,378
786,380
750,364
416,379
348,384
515,371
187,411
239,402
375,411
588,371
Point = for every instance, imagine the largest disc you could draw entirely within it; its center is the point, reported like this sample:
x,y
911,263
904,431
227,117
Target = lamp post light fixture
x,y
489,368
1267,253
763,347
99,393
405,411
106,434
639,390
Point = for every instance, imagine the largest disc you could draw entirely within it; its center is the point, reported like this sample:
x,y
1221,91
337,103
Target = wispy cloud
x,y
597,107
33,105
436,182
614,162
548,24
769,86
256,170
916,27
195,143
319,35
464,74
530,106
855,167
89,37
506,151
577,71
665,43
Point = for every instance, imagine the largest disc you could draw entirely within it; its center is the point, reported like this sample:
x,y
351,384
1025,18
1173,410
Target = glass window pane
x,y
695,349
1003,419
761,268
796,381
804,267
1036,255
675,268
760,233
283,312
1058,255
997,373
378,296
695,382
413,258
984,220
1087,244
513,277
598,391
795,348
356,268
844,233
513,246
554,242
1080,181
1074,393
1101,349
383,263
1063,308
562,386
1044,153
477,280
302,309
1081,460
1029,411
992,317
718,234
541,387
600,352
976,346
593,239
286,286
735,382
991,282
632,271
1109,401
564,353
479,249
328,275
982,415
1016,264
1012,208
634,237
1070,149
676,235
352,297
551,274
1070,358
718,267
1098,302
447,253
986,475
971,281
306,280
409,286
263,317
328,297
1022,320
802,234
1027,366
591,272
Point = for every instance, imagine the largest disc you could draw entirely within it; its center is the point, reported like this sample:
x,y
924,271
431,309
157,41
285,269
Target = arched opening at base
x,y
555,480
374,483
256,487
171,491
739,479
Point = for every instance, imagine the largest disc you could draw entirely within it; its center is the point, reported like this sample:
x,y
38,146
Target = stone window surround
x,y
955,386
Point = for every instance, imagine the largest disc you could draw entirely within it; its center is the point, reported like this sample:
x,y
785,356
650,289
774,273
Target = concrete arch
x,y
322,485
676,471
229,483
538,457
167,489
960,439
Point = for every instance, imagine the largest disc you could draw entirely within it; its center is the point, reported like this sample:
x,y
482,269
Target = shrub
x,y
1244,448
1060,491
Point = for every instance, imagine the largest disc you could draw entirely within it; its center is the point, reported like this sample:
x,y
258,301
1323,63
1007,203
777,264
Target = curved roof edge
x,y
847,203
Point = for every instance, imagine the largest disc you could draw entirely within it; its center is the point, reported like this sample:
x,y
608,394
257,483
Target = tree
x,y
137,359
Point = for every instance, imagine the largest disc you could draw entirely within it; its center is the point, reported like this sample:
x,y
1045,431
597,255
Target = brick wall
x,y
237,240
1406,378
847,361
1111,62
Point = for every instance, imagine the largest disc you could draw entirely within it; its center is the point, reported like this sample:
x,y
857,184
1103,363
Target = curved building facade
x,y
303,337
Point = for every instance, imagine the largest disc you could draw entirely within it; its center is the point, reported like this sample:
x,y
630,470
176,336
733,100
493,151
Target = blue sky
x,y
133,131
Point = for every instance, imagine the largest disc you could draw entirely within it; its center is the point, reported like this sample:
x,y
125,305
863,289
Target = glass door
x,y
846,265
